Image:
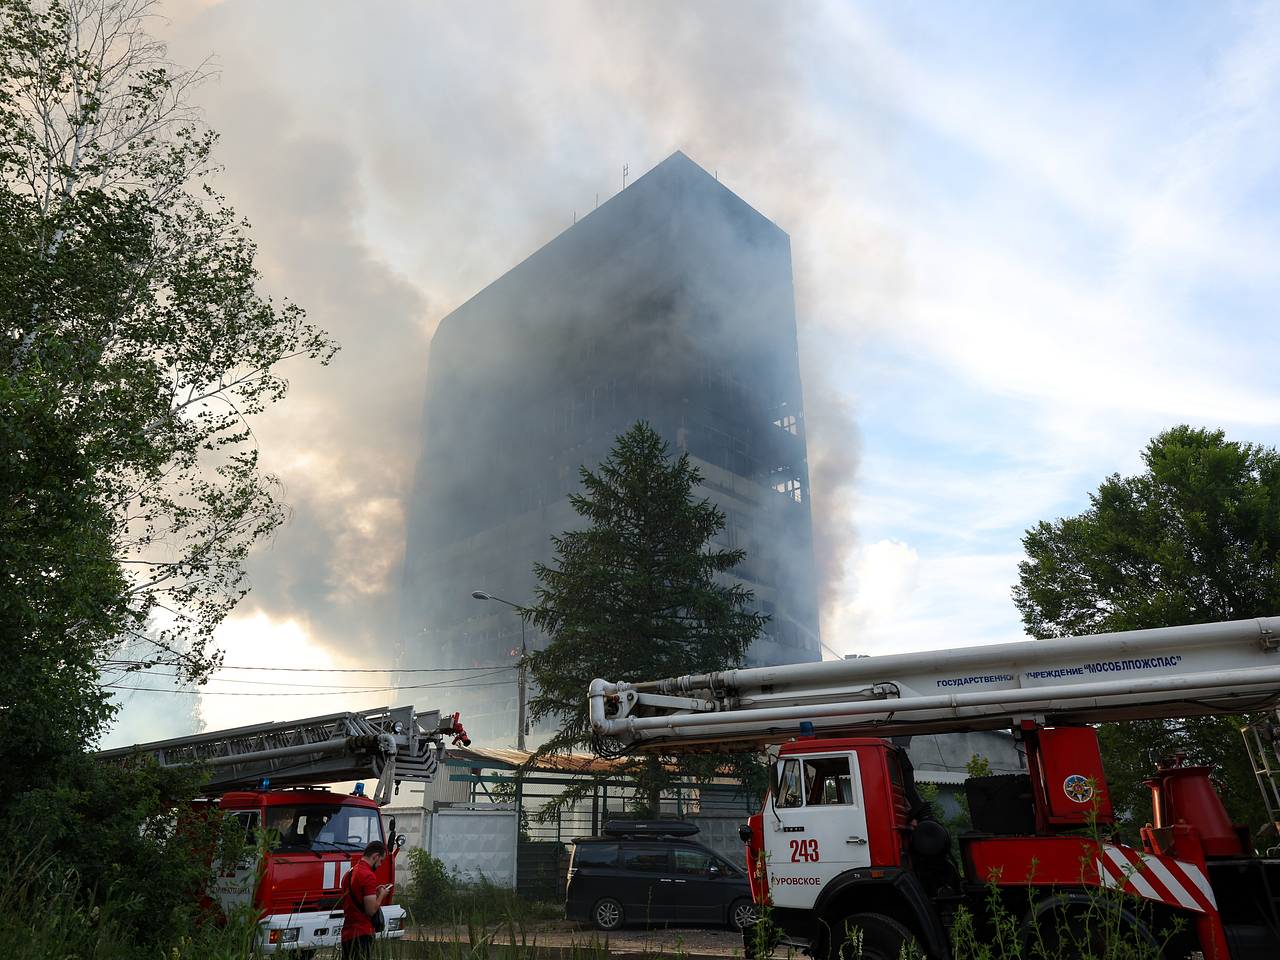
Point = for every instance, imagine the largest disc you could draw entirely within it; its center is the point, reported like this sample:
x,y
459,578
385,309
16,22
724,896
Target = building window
x,y
789,486
789,423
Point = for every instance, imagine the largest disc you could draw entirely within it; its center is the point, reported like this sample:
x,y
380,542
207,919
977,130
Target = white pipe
x,y
871,669
1030,699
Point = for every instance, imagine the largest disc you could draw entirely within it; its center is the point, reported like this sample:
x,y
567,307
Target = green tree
x,y
638,592
1192,539
135,349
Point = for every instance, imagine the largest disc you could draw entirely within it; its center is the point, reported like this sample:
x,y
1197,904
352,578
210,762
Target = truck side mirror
x,y
400,841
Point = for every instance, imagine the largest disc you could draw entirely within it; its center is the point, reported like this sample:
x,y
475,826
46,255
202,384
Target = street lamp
x,y
520,672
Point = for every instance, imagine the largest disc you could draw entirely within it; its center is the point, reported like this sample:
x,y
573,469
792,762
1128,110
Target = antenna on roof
x,y
626,169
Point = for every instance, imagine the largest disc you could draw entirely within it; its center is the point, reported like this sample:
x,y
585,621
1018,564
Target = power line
x,y
319,693
147,663
324,686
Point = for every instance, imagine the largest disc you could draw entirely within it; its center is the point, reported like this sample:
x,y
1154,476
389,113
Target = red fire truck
x,y
266,776
844,843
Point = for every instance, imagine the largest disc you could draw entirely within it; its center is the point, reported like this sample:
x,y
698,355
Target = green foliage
x,y
49,911
134,348
1192,539
977,766
431,894
1099,925
637,592
436,897
127,829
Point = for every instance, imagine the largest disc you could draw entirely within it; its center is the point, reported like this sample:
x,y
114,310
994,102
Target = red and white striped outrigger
x,y
1175,883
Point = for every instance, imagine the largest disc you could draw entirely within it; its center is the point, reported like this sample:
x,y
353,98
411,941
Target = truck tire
x,y
1068,925
760,939
882,938
607,914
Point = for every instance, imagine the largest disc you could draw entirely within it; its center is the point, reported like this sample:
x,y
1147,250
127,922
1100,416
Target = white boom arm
x,y
1211,668
386,743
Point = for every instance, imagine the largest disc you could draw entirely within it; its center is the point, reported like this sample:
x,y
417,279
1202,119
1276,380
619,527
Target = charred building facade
x,y
672,303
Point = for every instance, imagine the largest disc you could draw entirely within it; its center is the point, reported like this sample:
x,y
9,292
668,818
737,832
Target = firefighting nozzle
x,y
459,732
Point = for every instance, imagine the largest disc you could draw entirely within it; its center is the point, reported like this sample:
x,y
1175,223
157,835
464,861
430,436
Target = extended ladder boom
x,y
1212,668
388,744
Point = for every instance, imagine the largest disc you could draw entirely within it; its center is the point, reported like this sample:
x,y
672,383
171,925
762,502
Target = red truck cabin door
x,y
817,827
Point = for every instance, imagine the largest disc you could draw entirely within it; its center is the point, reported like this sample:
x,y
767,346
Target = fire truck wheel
x,y
607,914
742,914
882,938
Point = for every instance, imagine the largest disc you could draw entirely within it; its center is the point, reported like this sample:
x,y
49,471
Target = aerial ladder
x,y
300,838
844,844
387,744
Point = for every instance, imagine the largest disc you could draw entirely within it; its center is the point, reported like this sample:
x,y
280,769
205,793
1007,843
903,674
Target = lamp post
x,y
520,671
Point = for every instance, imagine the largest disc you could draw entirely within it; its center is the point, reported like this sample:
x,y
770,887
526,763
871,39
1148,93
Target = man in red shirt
x,y
365,897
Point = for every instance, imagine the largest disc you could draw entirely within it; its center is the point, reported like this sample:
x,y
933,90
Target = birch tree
x,y
137,347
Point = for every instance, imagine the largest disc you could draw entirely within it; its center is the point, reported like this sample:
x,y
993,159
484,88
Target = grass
x,y
46,914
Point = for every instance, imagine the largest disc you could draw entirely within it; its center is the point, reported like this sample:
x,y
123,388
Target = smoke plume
x,y
395,159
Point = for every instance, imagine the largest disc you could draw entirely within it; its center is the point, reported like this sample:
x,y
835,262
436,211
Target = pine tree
x,y
639,592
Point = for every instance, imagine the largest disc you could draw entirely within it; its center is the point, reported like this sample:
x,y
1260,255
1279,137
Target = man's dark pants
x,y
357,948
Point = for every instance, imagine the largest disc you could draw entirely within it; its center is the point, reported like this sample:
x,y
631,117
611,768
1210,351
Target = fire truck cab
x,y
298,885
844,841
264,775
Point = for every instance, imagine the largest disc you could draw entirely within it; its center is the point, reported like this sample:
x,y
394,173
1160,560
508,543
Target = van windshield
x,y
321,827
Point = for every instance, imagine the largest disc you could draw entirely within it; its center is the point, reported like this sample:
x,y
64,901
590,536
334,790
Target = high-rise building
x,y
671,303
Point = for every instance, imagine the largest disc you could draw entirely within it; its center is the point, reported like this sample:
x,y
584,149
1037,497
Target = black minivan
x,y
649,871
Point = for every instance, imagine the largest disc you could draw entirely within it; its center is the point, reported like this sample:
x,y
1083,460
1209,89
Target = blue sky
x,y
1027,237
1085,203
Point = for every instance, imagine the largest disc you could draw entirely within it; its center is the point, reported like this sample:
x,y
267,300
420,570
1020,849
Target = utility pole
x,y
521,697
521,687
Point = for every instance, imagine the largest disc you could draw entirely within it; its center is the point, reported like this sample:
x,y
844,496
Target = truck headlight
x,y
285,935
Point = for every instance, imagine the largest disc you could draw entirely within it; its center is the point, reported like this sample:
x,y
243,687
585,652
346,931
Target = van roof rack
x,y
649,828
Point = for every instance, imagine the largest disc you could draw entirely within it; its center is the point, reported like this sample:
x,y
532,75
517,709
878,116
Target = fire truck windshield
x,y
327,826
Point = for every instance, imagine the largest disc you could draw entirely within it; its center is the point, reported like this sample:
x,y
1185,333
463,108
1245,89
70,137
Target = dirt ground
x,y
631,941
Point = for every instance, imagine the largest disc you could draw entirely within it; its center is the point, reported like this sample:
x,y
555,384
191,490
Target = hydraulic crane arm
x,y
387,743
1212,668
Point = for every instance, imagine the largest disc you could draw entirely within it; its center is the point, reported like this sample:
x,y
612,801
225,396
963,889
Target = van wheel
x,y
742,914
881,938
607,914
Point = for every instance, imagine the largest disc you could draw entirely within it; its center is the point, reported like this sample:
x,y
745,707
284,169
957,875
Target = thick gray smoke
x,y
394,160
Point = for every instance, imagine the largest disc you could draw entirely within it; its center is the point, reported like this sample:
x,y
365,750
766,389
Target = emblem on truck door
x,y
1078,788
